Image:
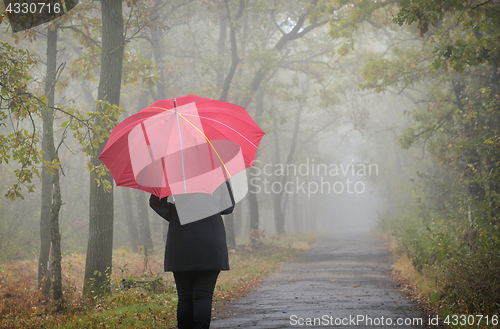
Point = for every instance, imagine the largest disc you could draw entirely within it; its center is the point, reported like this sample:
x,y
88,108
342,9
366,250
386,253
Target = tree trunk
x,y
281,199
238,220
143,220
129,218
142,204
100,245
296,218
229,224
234,50
44,281
57,292
279,216
253,203
161,86
253,206
219,74
51,203
157,47
229,220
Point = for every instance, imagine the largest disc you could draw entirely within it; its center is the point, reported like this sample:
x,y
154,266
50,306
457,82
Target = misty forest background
x,y
411,86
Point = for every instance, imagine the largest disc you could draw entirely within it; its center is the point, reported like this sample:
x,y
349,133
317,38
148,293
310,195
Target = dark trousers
x,y
195,290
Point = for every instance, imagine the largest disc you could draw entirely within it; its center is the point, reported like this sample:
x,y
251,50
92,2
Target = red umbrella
x,y
182,145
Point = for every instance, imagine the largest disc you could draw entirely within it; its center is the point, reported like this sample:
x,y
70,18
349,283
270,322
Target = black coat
x,y
197,246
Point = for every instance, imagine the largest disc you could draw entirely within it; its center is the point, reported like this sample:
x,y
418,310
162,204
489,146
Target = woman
x,y
196,253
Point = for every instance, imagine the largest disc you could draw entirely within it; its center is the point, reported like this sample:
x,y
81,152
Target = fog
x,y
309,88
309,104
350,213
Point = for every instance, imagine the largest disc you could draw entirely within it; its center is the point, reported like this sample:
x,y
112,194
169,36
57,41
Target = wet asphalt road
x,y
341,282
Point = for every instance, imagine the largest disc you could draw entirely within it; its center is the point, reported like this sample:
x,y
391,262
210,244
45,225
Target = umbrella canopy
x,y
182,145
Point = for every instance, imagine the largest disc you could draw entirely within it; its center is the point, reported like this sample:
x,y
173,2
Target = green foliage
x,y
349,16
18,109
403,67
86,65
137,69
99,285
461,262
471,274
468,31
93,130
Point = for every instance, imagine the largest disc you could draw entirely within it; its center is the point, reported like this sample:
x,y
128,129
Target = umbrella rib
x,y
159,108
225,126
208,140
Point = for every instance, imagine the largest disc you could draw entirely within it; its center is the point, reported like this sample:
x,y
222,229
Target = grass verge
x,y
426,287
22,306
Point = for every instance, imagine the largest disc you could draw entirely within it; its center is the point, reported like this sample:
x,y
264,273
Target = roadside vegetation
x,y
442,211
448,266
147,305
